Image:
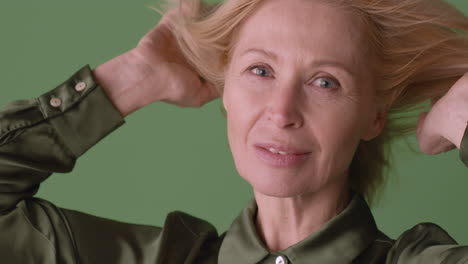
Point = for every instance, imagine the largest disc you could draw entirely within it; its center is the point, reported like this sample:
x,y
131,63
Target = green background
x,y
167,158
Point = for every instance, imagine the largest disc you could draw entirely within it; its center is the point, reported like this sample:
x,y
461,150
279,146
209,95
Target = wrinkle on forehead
x,y
315,28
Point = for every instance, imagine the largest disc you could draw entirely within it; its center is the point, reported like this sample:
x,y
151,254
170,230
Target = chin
x,y
279,184
276,192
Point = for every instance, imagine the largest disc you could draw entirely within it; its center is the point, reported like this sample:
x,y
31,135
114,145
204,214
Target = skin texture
x,y
442,128
291,101
288,100
155,70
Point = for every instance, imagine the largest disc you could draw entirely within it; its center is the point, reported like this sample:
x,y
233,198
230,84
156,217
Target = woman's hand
x,y
155,70
442,128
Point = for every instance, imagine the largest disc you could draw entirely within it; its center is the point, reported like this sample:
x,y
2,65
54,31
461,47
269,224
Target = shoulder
x,y
423,243
187,238
377,251
183,237
95,239
188,225
427,243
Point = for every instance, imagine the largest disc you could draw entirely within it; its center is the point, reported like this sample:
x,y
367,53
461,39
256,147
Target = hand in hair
x,y
155,70
442,128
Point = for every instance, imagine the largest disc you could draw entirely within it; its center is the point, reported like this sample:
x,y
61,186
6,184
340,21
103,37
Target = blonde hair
x,y
420,46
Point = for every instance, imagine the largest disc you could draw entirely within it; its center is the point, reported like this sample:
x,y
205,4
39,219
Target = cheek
x,y
240,116
332,126
242,106
338,133
340,128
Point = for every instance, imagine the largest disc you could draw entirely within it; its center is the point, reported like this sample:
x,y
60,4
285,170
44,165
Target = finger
x,y
434,100
435,144
429,142
189,8
421,119
211,90
426,140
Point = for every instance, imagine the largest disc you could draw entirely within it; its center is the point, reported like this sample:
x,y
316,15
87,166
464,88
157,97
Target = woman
x,y
311,101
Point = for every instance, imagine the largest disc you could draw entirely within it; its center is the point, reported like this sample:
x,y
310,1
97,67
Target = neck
x,y
285,221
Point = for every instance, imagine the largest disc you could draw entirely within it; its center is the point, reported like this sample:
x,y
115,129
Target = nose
x,y
284,108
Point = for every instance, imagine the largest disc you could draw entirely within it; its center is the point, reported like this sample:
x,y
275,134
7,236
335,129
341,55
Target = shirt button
x,y
280,260
80,86
55,102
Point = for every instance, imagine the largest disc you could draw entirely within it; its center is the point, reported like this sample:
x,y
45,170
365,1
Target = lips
x,y
281,156
281,148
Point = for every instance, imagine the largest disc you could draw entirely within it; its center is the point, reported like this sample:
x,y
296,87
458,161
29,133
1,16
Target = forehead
x,y
304,30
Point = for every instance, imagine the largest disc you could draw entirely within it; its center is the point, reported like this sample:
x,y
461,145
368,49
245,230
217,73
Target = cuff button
x,y
80,86
55,102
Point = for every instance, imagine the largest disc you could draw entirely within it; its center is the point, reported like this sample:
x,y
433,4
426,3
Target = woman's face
x,y
298,94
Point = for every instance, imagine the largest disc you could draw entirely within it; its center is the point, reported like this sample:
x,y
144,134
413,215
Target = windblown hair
x,y
420,47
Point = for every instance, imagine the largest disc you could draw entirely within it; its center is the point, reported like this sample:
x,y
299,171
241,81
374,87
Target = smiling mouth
x,y
282,149
280,159
272,150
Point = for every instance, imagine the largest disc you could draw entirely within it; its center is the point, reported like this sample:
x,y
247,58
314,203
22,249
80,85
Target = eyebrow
x,y
316,63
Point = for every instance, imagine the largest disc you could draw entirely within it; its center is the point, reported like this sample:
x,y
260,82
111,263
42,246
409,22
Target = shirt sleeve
x,y
427,243
44,135
47,134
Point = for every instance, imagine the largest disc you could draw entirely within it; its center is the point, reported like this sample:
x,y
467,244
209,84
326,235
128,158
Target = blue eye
x,y
259,71
328,83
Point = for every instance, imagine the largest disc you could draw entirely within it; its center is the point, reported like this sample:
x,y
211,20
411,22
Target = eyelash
x,y
337,84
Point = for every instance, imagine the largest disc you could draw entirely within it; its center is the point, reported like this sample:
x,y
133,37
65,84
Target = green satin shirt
x,y
47,134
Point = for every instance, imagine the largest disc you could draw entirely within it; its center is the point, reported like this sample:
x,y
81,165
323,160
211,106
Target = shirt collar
x,y
340,240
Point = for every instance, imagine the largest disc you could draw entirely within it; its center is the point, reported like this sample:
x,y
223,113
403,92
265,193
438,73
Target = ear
x,y
375,125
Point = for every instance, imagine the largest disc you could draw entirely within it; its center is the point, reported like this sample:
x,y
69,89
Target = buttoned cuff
x,y
80,111
464,147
